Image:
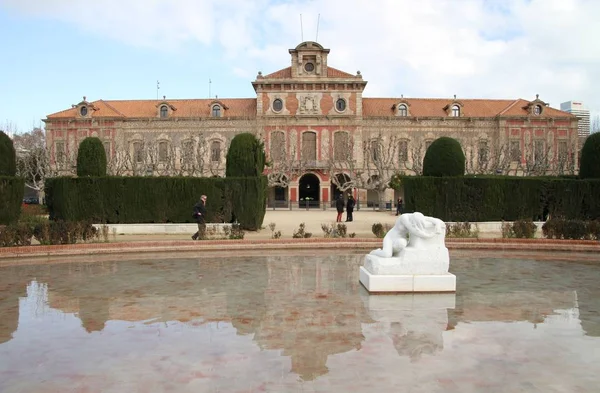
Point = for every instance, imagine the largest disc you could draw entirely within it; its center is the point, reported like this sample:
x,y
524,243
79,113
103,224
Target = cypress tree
x,y
246,156
8,162
91,158
589,165
444,157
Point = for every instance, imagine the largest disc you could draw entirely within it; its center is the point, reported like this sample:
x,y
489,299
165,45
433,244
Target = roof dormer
x,y
84,108
536,107
454,108
164,109
401,108
217,108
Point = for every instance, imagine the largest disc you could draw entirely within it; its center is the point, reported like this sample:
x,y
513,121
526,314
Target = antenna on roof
x,y
157,88
318,20
301,29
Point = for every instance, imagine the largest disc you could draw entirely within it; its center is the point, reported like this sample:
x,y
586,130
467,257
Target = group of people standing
x,y
340,204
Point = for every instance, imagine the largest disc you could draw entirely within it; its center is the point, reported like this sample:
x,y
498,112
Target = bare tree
x,y
595,126
379,163
33,160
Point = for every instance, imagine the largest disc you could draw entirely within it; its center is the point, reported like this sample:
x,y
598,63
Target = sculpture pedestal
x,y
413,270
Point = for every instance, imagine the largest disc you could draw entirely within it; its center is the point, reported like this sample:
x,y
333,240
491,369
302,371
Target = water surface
x,y
298,323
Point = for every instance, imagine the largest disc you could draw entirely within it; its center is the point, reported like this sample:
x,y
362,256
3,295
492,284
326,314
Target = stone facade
x,y
322,135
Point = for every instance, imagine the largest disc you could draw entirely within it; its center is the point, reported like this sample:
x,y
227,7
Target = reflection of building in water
x,y
312,311
414,322
13,286
530,306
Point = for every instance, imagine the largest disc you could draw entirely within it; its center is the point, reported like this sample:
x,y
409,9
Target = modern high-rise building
x,y
578,109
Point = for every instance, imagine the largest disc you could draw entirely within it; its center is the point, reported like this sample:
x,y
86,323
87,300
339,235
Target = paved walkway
x,y
287,221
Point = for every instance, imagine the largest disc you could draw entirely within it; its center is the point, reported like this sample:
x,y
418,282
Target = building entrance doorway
x,y
309,187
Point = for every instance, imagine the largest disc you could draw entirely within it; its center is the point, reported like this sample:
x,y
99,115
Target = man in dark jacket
x,y
350,208
339,205
200,216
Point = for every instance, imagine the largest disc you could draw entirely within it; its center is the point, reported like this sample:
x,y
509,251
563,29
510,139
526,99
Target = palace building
x,y
321,135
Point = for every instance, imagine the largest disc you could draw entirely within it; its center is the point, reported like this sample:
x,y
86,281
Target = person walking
x,y
200,216
339,205
399,206
350,208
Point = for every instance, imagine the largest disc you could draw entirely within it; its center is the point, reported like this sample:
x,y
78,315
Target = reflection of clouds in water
x,y
298,321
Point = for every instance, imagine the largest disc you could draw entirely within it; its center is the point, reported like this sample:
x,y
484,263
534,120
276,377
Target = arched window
x,y
341,146
483,152
215,151
403,151
537,110
163,151
455,111
340,105
374,146
83,111
138,152
277,146
164,111
309,146
216,111
402,110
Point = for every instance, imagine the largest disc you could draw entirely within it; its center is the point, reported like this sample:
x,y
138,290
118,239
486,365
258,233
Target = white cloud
x,y
472,48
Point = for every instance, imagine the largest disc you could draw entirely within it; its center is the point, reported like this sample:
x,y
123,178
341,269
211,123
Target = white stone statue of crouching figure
x,y
423,232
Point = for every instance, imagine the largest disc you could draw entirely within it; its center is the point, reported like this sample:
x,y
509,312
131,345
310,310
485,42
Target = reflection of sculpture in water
x,y
422,232
415,344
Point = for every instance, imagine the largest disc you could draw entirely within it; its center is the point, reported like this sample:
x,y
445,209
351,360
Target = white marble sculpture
x,y
413,258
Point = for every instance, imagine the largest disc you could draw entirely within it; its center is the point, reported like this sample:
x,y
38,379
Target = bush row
x,y
571,229
156,199
502,198
47,232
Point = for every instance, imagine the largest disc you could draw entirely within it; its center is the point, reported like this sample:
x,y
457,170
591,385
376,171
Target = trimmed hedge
x,y
156,199
8,163
245,157
589,165
91,158
496,198
444,158
11,197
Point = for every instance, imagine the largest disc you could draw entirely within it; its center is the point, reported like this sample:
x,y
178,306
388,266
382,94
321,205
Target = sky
x,y
58,51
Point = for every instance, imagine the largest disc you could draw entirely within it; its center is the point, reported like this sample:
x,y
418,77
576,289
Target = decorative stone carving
x,y
309,104
413,258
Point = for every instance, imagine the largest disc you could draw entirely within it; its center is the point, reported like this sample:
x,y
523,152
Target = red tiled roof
x,y
335,73
236,107
434,107
285,73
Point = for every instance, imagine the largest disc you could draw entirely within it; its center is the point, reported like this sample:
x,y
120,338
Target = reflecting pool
x,y
295,322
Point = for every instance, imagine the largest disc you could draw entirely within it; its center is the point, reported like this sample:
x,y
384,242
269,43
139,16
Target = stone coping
x,y
287,244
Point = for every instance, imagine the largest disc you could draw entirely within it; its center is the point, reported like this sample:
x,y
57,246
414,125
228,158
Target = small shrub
x,y
334,230
235,232
462,230
352,235
520,229
379,229
524,229
15,235
301,233
507,231
274,234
